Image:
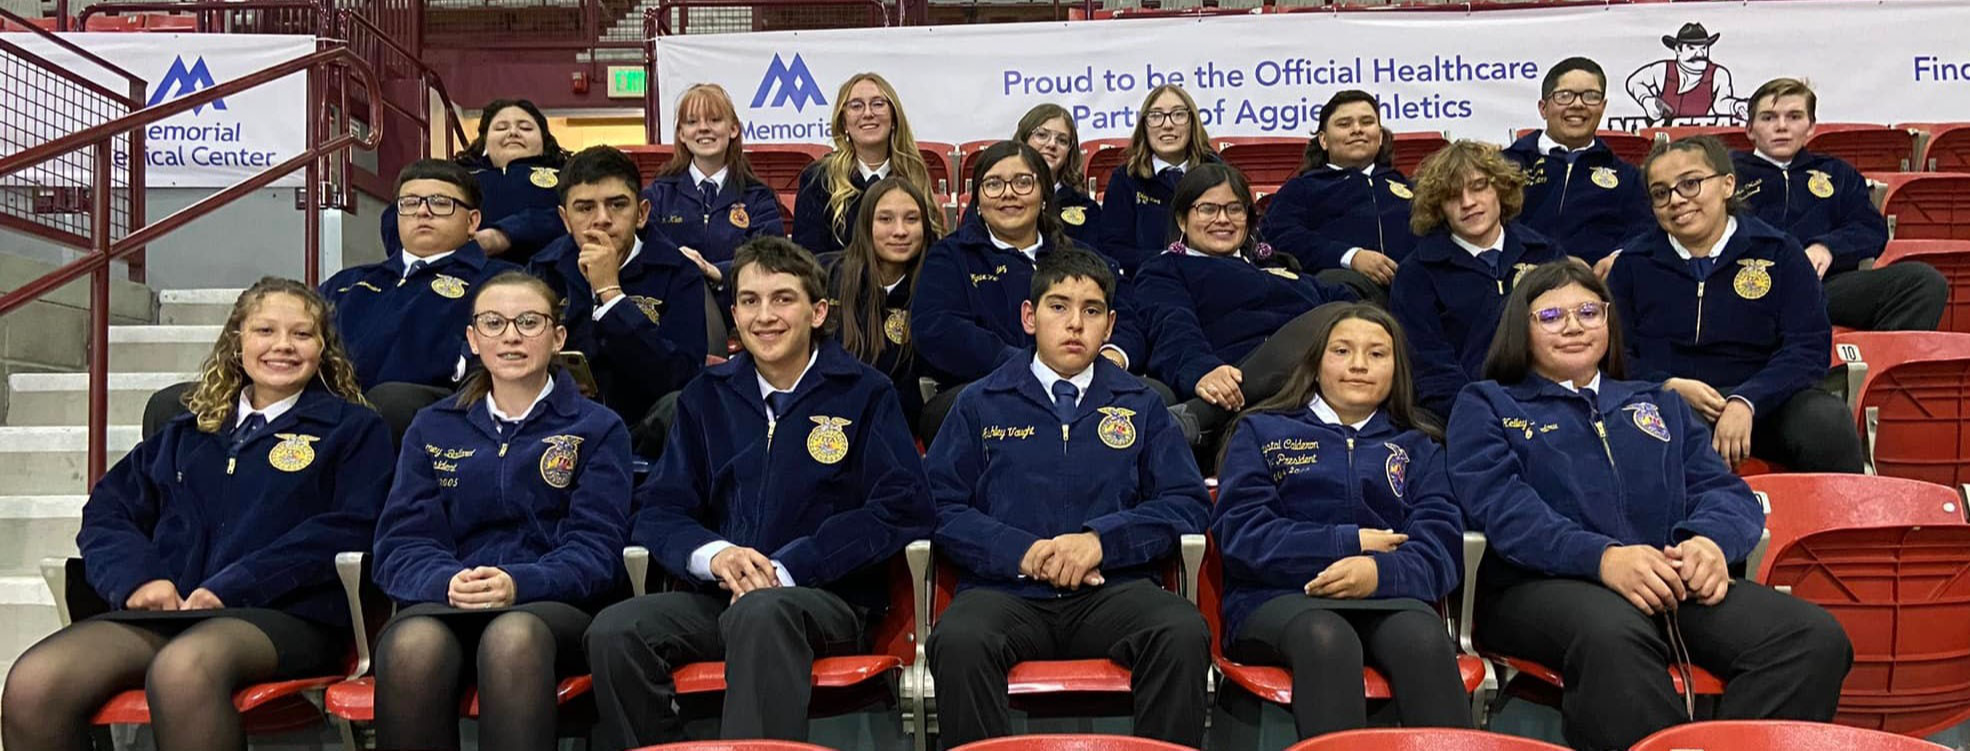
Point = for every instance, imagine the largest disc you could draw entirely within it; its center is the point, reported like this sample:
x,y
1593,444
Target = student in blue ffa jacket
x,y
502,535
1228,318
1346,214
871,285
1616,531
212,543
779,556
705,199
964,315
1060,546
872,141
636,309
1725,310
1448,294
1049,129
404,317
1577,191
1169,139
1825,204
516,163
1339,533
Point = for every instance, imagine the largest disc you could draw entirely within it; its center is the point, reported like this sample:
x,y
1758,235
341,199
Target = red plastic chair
x,y
1422,739
1734,138
166,22
355,701
1805,503
736,746
1913,411
1926,205
648,157
1946,146
937,158
1412,148
1628,147
1743,735
1952,258
785,199
1267,160
116,23
968,162
1070,743
779,165
1101,156
1869,147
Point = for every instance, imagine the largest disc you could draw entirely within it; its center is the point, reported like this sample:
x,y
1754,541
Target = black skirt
x,y
306,648
565,622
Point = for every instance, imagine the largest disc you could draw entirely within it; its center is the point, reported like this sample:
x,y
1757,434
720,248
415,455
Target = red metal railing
x,y
242,17
326,71
408,96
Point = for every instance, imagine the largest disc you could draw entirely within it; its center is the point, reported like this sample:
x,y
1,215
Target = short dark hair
x,y
1068,263
596,164
442,170
778,255
1715,154
1570,65
1510,357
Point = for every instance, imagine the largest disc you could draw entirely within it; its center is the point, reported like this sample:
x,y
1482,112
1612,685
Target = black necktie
x,y
1593,403
776,404
1490,259
709,191
254,423
1701,267
415,267
1064,396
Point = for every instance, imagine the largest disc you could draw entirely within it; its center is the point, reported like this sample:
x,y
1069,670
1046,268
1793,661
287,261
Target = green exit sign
x,y
627,81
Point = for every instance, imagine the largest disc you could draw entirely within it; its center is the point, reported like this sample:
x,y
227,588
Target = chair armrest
x,y
917,555
1474,545
636,560
54,571
349,569
1753,563
1193,562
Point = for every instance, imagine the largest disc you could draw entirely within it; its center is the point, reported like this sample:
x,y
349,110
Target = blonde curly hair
x,y
1441,177
213,397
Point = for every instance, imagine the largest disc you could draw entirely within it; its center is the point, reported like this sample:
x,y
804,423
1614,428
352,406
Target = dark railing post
x,y
311,222
99,316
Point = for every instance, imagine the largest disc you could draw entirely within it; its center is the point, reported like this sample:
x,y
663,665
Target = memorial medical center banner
x,y
1475,75
216,145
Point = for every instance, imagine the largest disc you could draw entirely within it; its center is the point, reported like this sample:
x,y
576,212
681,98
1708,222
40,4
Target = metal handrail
x,y
426,76
202,12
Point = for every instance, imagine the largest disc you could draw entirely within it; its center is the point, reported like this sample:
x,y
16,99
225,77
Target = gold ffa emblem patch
x,y
1752,281
1820,183
557,463
1074,215
652,308
738,216
1519,273
1282,273
545,177
897,326
827,442
1401,191
1116,430
1605,177
293,453
448,286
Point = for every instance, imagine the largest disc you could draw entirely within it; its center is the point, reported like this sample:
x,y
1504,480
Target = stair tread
x,y
25,589
36,382
62,438
41,506
164,334
198,296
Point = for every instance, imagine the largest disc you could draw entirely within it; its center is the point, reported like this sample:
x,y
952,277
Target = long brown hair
x,y
478,383
1401,405
706,100
1441,176
861,292
216,393
1070,168
904,158
1510,357
1140,158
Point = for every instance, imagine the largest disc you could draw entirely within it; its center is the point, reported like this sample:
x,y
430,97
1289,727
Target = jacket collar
x,y
1529,145
739,375
1750,230
468,254
483,162
974,236
564,400
1379,425
1110,381
1612,395
1438,247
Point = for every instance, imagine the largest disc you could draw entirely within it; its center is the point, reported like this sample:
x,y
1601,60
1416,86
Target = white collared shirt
x,y
1730,228
1774,162
872,173
430,260
1368,170
270,414
1547,144
1473,248
698,177
1048,378
1594,384
603,309
1190,251
891,287
1327,414
767,389
499,416
700,563
1032,252
1157,165
1347,259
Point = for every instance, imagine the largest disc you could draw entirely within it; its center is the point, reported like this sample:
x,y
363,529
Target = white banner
x,y
1475,75
216,145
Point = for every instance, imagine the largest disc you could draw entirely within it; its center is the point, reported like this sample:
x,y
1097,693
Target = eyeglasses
x,y
530,324
1590,315
1687,187
1044,137
1565,97
877,105
1210,211
439,205
1021,184
1174,117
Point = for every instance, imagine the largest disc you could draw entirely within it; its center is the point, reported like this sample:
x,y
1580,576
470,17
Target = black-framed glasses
x,y
1687,187
1174,117
1591,315
439,205
530,324
1020,184
1590,97
1210,211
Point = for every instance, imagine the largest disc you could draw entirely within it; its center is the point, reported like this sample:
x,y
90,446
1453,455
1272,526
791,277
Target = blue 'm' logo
x,y
795,84
181,81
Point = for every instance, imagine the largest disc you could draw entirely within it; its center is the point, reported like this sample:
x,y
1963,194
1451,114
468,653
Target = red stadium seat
x,y
938,157
169,22
1070,743
649,157
115,23
1805,503
1744,735
1629,147
892,638
1412,148
1423,739
1266,160
1914,405
1926,205
1946,146
968,162
1101,156
1952,258
786,210
355,701
1734,138
779,165
1870,148
1261,200
1753,467
736,746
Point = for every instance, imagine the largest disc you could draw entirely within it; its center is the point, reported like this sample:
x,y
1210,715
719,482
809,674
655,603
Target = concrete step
x,y
160,349
27,614
33,527
197,307
63,398
53,460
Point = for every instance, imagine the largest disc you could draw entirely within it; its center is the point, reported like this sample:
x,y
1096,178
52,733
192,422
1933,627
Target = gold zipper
x,y
1600,429
1699,311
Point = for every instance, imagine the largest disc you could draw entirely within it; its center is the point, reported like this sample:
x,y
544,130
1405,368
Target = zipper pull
x,y
1600,428
1501,286
1063,432
1350,443
771,425
502,449
231,461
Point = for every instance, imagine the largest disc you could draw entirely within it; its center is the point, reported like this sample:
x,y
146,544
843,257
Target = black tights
x,y
1326,650
189,680
420,679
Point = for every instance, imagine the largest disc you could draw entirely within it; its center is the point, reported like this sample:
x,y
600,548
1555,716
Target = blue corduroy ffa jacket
x,y
1816,199
737,213
409,329
519,201
1589,206
1206,312
647,345
1319,215
1448,303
